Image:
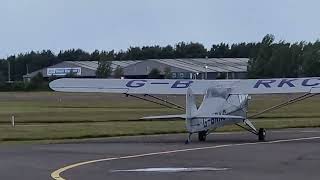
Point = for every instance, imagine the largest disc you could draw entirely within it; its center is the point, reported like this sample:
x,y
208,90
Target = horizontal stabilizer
x,y
177,116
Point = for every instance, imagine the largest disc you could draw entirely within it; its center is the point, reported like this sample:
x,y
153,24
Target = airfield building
x,y
191,68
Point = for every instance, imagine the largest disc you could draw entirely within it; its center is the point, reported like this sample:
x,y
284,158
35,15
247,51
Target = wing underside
x,y
178,116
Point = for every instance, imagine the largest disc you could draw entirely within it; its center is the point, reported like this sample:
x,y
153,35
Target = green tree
x,y
118,72
52,78
134,53
311,59
190,50
104,69
107,56
151,52
167,72
260,66
267,58
95,56
37,79
3,69
154,74
2,79
167,52
74,55
29,62
219,51
37,82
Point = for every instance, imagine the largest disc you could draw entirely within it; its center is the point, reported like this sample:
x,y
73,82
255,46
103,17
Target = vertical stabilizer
x,y
191,107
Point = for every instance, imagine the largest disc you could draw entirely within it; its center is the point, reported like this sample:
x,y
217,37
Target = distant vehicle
x,y
225,102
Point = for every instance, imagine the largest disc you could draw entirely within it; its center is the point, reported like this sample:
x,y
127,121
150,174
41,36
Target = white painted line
x,y
310,131
56,174
172,170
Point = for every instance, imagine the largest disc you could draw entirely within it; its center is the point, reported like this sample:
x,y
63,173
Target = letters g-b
x,y
136,83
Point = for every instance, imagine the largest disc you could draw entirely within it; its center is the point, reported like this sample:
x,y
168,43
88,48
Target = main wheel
x,y
202,135
262,134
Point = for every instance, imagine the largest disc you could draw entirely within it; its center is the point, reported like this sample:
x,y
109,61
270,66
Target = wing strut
x,y
165,101
250,130
155,102
281,105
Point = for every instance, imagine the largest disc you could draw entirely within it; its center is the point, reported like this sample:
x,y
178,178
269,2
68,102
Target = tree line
x,y
268,59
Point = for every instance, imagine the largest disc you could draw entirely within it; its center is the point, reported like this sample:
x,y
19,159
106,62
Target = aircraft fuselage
x,y
205,124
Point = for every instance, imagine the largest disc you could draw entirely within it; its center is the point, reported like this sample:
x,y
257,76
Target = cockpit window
x,y
218,92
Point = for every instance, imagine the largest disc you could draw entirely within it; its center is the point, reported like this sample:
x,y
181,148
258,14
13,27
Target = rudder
x,y
191,107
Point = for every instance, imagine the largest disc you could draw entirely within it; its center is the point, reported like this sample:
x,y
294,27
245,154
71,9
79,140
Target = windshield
x,y
218,92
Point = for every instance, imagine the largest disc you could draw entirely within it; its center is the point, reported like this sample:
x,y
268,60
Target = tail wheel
x,y
262,134
202,135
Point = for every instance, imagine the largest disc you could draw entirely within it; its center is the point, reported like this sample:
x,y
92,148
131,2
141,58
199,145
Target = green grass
x,y
85,130
54,116
58,131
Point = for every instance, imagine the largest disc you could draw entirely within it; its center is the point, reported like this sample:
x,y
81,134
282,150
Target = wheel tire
x,y
202,135
262,134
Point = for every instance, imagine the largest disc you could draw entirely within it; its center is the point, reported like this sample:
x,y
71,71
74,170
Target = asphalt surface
x,y
228,156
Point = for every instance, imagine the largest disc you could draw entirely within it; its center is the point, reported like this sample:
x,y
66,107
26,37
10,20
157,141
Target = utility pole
x,y
206,72
206,67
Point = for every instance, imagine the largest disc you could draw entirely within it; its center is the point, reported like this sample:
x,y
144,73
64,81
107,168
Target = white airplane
x,y
225,102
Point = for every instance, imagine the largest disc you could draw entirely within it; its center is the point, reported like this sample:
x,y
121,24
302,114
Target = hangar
x,y
83,69
189,68
197,68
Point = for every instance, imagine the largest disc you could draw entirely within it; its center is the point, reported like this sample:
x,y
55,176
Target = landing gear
x,y
188,139
262,134
202,135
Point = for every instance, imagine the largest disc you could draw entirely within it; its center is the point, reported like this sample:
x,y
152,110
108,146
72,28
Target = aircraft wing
x,y
135,86
170,86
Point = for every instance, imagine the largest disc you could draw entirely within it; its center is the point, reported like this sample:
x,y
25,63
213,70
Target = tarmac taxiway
x,y
287,154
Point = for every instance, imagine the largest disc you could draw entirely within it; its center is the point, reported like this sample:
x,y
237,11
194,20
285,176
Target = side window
x,y
174,75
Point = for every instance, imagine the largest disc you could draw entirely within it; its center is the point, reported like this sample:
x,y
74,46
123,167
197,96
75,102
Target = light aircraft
x,y
224,102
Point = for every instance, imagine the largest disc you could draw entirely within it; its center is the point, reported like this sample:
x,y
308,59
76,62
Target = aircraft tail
x,y
191,107
191,111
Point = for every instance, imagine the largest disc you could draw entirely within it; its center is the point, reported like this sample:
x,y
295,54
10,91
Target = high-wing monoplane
x,y
224,102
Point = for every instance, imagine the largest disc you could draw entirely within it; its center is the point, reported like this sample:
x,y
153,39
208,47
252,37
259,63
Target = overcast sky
x,y
27,25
